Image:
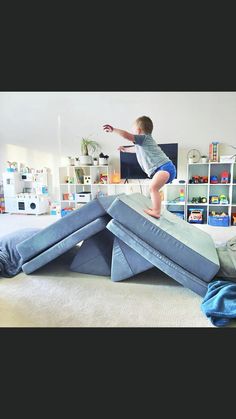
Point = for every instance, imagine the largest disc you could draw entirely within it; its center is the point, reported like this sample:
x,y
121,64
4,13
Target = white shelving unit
x,y
76,186
208,189
171,191
195,190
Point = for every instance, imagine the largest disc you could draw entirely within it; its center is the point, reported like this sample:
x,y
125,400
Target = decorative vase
x,y
87,160
103,161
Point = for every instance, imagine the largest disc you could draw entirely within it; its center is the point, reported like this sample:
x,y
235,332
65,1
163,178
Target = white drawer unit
x,y
83,197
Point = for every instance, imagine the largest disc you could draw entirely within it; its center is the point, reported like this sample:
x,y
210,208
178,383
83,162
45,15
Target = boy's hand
x,y
108,128
121,148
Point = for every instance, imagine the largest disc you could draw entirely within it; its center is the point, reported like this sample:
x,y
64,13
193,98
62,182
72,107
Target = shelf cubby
x,y
217,168
197,207
196,191
220,189
234,195
200,169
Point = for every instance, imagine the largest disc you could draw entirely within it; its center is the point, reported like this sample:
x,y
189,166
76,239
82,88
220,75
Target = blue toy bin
x,y
65,212
218,221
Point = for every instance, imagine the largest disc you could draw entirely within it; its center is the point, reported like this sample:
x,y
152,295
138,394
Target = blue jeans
x,y
167,167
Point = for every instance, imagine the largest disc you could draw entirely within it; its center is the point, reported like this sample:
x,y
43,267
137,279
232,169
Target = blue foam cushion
x,y
60,229
66,244
157,259
181,242
10,259
94,256
126,262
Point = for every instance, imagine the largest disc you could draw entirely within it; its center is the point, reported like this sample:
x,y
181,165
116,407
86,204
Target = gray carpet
x,y
55,297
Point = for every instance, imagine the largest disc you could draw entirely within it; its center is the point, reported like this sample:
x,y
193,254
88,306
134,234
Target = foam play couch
x,y
120,240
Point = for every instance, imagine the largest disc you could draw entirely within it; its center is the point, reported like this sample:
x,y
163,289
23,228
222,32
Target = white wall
x,y
29,121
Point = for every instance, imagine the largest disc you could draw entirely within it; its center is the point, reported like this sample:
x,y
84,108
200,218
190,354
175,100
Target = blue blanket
x,y
219,303
10,260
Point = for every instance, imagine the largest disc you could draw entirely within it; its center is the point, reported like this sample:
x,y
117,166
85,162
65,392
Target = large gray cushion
x,y
95,254
60,229
10,259
157,259
126,262
179,241
66,244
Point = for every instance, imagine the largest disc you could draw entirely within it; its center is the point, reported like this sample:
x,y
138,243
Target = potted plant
x,y
103,159
87,146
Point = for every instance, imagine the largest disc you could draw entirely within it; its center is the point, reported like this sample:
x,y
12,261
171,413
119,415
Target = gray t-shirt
x,y
149,155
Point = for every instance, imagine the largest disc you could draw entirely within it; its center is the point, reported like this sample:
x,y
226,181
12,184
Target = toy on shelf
x,y
218,214
181,195
199,200
214,199
103,178
65,211
69,179
198,179
115,177
87,180
194,179
214,151
79,172
55,208
196,215
12,166
214,179
225,177
223,199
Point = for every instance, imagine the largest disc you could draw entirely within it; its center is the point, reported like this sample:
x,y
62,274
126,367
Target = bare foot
x,y
153,213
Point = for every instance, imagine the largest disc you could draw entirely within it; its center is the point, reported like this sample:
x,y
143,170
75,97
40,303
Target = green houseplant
x,y
88,147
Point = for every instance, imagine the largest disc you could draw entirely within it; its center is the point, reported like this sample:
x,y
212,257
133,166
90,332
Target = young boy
x,y
151,158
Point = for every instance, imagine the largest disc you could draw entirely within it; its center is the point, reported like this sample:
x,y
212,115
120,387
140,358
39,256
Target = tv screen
x,y
130,168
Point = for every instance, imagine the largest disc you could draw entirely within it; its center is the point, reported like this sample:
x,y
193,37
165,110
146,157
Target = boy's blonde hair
x,y
145,123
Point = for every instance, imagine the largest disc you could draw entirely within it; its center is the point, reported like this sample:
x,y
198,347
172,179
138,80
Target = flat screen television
x,y
130,168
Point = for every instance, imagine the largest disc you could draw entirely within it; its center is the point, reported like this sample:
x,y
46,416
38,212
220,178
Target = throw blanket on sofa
x,y
219,303
10,260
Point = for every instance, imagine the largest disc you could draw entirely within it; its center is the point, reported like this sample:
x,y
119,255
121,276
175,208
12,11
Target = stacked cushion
x,y
181,242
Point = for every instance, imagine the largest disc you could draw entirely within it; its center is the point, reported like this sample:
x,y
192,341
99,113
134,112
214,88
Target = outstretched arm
x,y
121,132
129,149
